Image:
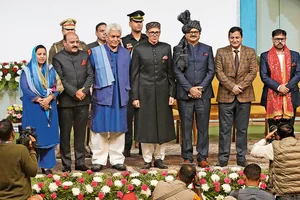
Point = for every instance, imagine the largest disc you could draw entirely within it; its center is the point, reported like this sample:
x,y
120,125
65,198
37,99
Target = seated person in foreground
x,y
18,164
283,153
251,191
177,189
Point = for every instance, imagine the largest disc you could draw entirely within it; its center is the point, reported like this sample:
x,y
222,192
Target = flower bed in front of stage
x,y
216,183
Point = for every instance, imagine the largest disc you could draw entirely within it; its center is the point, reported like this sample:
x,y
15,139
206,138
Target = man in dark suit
x,y
101,34
75,71
194,72
130,41
236,68
280,73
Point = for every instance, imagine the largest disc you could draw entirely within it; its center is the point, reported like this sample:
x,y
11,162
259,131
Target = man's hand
x,y
237,90
283,89
171,101
136,103
195,92
80,94
32,140
270,136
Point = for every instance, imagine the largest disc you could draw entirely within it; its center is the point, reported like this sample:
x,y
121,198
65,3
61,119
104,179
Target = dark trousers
x,y
278,121
75,117
128,134
187,110
238,114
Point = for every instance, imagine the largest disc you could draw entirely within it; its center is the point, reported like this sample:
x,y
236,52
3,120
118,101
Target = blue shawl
x,y
103,73
34,80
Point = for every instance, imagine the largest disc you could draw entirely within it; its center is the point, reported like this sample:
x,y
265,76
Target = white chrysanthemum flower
x,y
39,176
172,172
117,174
169,178
1,73
97,179
97,198
23,66
36,188
190,186
201,174
153,172
235,169
147,192
105,189
19,72
56,177
17,79
215,177
77,174
233,176
219,197
53,187
6,66
226,188
8,76
267,178
118,183
153,182
89,189
67,183
75,191
1,66
134,174
205,187
98,174
136,182
218,168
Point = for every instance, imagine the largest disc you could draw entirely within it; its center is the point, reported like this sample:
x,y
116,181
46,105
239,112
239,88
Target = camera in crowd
x,y
273,128
24,136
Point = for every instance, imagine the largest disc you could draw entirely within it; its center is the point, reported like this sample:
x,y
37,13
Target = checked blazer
x,y
228,78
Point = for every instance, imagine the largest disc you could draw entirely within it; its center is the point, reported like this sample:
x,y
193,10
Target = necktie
x,y
236,60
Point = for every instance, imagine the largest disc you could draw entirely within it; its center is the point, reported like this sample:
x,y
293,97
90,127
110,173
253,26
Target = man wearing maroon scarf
x,y
280,73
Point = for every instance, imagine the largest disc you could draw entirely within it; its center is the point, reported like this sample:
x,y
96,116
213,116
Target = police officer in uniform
x,y
67,25
131,40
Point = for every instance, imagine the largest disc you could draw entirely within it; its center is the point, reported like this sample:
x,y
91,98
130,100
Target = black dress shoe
x,y
160,164
46,171
126,153
81,168
66,169
242,163
146,165
120,167
96,168
222,164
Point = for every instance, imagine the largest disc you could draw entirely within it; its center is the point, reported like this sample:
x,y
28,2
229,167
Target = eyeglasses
x,y
279,39
194,32
152,33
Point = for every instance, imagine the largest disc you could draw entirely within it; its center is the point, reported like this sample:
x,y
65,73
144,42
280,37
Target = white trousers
x,y
109,143
155,150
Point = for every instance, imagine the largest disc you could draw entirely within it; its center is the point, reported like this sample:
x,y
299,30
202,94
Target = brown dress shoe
x,y
187,161
203,164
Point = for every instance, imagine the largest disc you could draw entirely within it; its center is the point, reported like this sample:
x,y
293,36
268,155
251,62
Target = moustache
x,y
193,36
75,47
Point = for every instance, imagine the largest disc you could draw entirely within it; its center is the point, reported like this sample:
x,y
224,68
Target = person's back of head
x,y
252,172
187,173
285,130
6,129
35,197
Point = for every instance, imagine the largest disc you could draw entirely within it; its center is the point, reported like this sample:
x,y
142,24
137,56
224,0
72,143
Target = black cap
x,y
137,16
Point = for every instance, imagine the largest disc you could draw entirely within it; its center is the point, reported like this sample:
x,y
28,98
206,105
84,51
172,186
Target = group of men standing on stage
x,y
137,77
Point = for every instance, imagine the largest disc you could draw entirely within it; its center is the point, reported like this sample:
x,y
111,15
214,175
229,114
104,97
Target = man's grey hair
x,y
113,26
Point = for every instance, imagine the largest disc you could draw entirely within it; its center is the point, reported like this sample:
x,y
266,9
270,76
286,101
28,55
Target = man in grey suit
x,y
101,35
75,71
194,72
